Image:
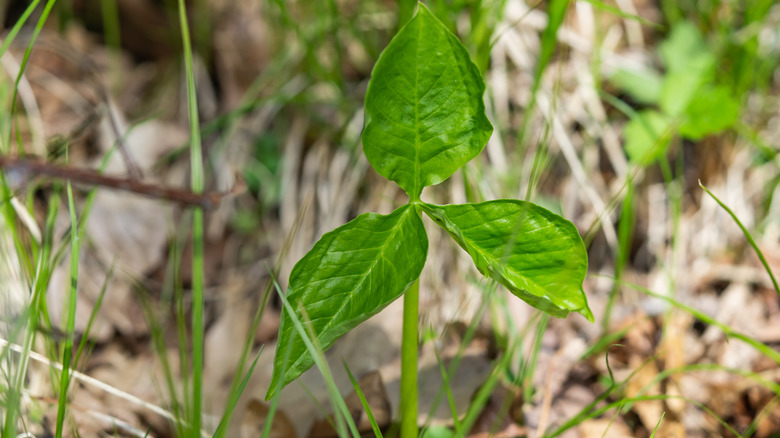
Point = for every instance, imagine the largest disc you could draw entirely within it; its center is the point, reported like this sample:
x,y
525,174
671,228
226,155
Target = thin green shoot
x,y
158,343
93,315
767,383
609,367
756,377
529,366
198,270
622,14
364,402
341,413
234,396
275,400
604,342
236,386
31,318
513,24
728,331
625,241
468,336
90,381
9,38
762,414
472,190
674,193
111,29
748,236
70,320
484,393
516,374
38,302
556,12
612,420
658,425
705,408
541,161
40,281
171,298
23,64
322,410
503,413
585,413
184,368
448,392
21,250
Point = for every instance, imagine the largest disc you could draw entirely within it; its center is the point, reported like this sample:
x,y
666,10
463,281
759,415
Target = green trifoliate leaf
x,y
349,275
425,117
536,254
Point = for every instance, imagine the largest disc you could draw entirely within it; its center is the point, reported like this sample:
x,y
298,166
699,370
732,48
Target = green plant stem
x,y
71,316
198,280
409,341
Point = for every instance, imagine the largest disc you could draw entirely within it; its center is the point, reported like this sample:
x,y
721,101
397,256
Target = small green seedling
x,y
425,118
688,99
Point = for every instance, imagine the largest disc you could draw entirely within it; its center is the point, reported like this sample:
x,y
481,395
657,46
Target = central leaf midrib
x,y
417,189
495,261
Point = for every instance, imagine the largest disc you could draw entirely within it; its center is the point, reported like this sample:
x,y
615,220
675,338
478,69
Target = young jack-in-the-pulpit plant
x,y
424,119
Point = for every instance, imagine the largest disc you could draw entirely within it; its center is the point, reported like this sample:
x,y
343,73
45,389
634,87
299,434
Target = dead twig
x,y
21,169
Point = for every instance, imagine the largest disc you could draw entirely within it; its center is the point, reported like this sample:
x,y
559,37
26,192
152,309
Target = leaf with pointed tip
x,y
349,275
536,254
425,117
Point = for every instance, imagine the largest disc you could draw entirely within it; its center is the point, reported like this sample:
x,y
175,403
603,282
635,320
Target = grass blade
x,y
234,396
728,331
364,402
198,280
340,406
748,236
71,316
556,12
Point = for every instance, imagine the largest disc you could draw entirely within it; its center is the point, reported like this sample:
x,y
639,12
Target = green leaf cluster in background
x,y
425,118
687,98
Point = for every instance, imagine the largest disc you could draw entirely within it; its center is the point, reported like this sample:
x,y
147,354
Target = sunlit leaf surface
x,y
350,274
425,117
